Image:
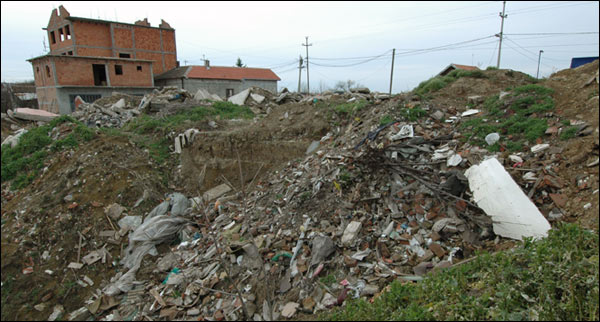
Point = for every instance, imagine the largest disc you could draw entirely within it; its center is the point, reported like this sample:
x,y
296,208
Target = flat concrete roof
x,y
92,57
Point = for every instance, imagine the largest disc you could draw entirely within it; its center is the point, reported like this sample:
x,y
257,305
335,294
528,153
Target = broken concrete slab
x,y
513,214
239,98
216,192
34,115
257,98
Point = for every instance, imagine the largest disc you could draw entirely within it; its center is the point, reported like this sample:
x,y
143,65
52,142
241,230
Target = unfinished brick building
x,y
92,58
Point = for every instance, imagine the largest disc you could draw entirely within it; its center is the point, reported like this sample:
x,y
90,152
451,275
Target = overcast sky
x,y
350,40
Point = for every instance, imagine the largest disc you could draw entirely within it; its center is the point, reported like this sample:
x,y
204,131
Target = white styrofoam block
x,y
513,214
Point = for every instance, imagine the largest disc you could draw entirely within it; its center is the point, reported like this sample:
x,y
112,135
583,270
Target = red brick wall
x,y
131,76
74,71
168,37
122,37
40,73
169,46
60,45
170,62
147,38
92,34
95,52
79,71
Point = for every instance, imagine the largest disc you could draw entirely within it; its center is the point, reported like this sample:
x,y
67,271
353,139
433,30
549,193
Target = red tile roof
x,y
465,67
235,73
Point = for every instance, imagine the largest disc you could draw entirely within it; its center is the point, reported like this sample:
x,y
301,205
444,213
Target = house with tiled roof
x,y
452,67
220,80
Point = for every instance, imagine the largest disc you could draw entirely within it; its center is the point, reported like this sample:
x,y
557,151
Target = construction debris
x,y
30,114
513,214
355,204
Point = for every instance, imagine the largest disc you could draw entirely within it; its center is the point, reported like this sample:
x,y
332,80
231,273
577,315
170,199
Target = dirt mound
x,y
492,82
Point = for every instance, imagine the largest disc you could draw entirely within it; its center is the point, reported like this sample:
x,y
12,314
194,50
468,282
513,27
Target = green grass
x,y
436,83
385,120
412,114
153,130
350,109
24,161
146,124
328,280
520,114
568,133
555,278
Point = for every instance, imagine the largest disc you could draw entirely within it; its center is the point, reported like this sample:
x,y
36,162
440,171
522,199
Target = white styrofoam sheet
x,y
513,214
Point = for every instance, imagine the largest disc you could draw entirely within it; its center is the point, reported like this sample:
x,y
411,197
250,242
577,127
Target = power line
x,y
562,5
554,33
352,64
546,58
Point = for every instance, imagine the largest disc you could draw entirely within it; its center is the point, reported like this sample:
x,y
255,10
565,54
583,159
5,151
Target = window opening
x,y
229,92
118,69
68,32
122,55
53,37
139,68
61,34
47,71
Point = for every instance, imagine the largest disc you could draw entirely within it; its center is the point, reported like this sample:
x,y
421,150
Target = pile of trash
x,y
360,210
112,111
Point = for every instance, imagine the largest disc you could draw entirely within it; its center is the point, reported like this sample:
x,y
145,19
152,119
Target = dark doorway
x,y
99,75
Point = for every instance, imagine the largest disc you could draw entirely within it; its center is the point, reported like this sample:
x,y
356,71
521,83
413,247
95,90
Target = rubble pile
x,y
112,111
373,200
160,99
355,94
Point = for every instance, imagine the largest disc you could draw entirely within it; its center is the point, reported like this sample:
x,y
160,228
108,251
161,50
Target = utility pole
x,y
307,73
392,75
502,15
538,69
299,71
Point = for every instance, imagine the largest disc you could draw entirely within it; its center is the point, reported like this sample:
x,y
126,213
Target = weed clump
x,y
24,161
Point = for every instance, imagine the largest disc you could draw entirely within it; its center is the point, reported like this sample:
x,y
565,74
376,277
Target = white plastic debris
x,y
539,147
529,176
492,138
406,131
454,160
515,158
470,112
513,214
